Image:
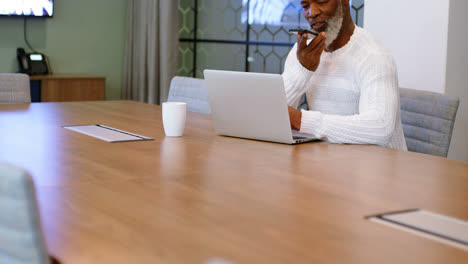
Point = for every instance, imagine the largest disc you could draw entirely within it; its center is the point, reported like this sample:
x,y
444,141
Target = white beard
x,y
334,25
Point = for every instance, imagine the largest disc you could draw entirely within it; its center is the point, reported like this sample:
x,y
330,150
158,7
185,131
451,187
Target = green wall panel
x,y
83,37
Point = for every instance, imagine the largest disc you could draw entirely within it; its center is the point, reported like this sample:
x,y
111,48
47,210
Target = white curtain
x,y
151,49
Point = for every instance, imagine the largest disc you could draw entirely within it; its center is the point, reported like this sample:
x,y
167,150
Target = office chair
x,y
303,104
21,239
428,119
14,88
191,91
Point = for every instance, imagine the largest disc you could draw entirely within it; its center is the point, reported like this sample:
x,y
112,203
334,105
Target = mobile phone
x,y
302,31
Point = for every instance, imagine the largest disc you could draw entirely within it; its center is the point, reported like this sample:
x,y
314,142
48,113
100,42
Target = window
x,y
219,33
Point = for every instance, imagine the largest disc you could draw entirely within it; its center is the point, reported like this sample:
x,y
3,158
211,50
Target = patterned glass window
x,y
240,35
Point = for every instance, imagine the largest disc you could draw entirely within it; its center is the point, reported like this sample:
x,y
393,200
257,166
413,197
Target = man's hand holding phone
x,y
309,54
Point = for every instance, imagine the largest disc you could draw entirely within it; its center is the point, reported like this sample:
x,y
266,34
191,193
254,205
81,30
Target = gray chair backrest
x,y
14,88
21,238
191,91
303,104
428,119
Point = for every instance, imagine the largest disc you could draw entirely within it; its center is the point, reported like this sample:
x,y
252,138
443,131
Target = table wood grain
x,y
202,197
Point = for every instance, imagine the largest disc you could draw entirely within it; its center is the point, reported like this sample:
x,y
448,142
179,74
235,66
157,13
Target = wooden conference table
x,y
203,198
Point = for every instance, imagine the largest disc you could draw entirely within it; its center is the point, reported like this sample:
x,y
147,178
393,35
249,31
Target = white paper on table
x,y
107,133
441,228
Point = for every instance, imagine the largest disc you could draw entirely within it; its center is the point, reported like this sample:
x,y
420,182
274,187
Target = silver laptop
x,y
251,105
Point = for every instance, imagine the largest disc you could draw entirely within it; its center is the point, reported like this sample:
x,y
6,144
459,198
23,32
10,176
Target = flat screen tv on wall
x,y
29,8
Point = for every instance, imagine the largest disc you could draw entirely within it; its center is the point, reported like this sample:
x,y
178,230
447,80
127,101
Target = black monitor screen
x,y
38,8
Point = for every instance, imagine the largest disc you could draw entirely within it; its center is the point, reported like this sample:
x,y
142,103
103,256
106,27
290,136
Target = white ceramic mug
x,y
174,115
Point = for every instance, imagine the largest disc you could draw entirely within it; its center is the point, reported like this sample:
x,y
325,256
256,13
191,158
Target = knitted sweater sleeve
x,y
296,79
378,103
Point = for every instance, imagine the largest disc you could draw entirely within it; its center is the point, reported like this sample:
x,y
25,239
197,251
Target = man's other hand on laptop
x,y
295,118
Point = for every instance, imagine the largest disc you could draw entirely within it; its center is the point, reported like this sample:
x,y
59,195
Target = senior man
x,y
349,78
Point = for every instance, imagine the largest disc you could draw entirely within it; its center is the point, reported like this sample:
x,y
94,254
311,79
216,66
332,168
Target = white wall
x,y
429,41
457,75
416,33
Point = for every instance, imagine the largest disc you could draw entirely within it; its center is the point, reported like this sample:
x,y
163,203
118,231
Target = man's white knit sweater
x,y
353,95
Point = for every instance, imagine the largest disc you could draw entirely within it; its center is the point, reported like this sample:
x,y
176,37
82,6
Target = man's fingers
x,y
309,55
320,49
317,41
302,40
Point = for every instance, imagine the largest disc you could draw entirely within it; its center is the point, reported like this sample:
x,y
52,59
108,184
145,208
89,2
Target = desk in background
x,y
203,196
63,88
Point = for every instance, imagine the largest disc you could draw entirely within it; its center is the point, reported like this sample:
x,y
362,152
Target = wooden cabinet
x,y
64,88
